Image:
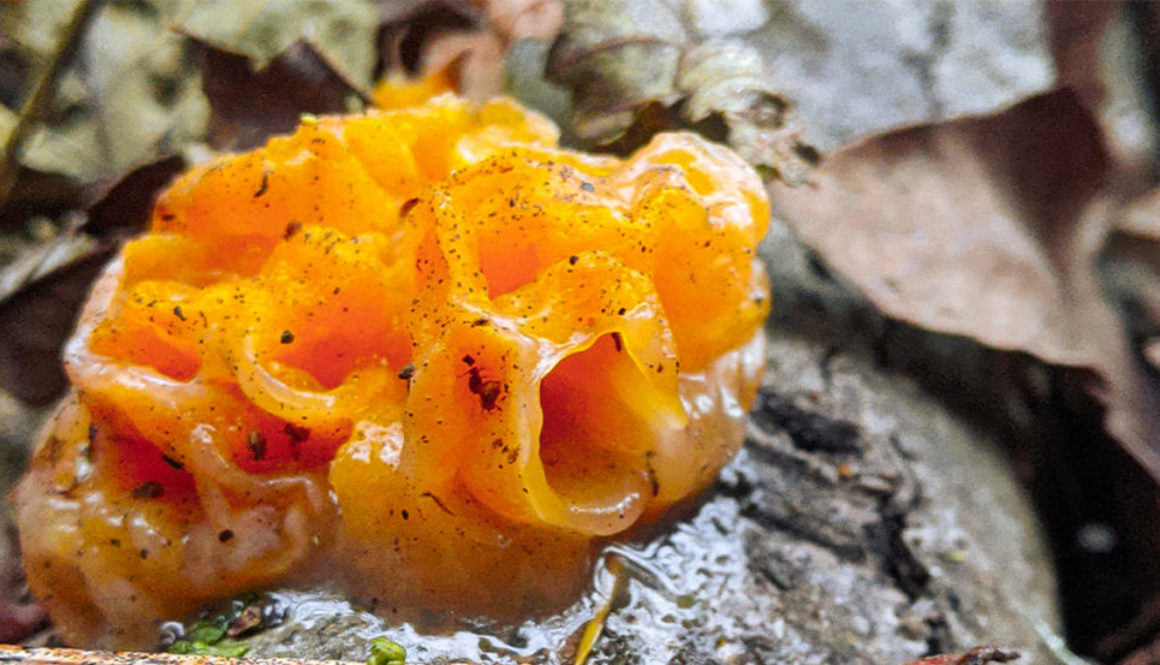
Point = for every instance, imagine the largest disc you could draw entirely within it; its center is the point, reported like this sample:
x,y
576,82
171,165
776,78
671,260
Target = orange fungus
x,y
422,355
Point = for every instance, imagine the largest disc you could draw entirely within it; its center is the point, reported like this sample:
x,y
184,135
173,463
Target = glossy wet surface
x,y
862,523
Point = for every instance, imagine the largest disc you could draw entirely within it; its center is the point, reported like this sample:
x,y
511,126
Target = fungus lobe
x,y
421,354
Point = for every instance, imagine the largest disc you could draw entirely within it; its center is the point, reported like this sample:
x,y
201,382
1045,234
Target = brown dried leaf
x,y
1099,54
123,205
966,227
249,106
526,19
1077,29
476,59
469,38
42,290
35,321
403,13
38,193
986,228
407,26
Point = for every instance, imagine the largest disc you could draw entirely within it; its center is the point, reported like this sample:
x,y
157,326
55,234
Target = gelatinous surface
x,y
420,354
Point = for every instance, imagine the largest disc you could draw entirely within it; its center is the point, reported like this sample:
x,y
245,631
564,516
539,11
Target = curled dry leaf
x,y
406,27
986,228
266,62
635,67
729,80
617,56
470,39
249,106
1100,51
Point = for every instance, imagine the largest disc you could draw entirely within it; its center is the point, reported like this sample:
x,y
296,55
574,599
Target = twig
x,y
41,97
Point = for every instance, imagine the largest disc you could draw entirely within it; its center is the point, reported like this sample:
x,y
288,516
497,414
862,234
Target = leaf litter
x,y
961,190
469,39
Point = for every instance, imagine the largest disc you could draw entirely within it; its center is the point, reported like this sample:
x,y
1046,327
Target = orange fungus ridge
x,y
421,354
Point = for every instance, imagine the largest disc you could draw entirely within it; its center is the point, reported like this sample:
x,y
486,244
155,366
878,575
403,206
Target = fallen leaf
x,y
35,321
38,193
249,106
43,288
128,94
858,69
469,38
1077,33
342,34
728,80
39,260
986,228
477,58
965,227
617,56
851,70
634,68
406,26
15,131
1099,54
14,65
123,205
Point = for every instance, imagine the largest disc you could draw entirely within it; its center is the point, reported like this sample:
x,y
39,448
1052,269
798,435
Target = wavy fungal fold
x,y
421,354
